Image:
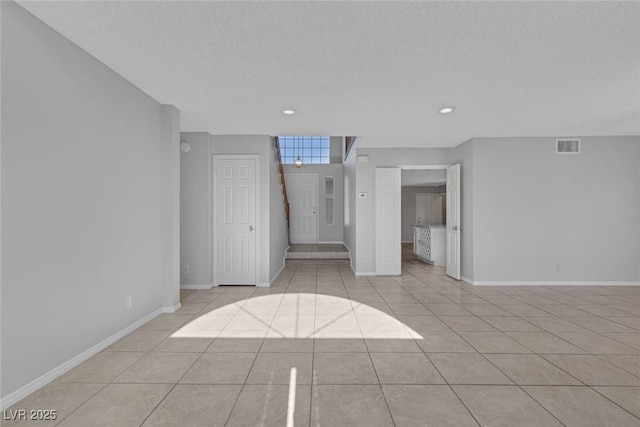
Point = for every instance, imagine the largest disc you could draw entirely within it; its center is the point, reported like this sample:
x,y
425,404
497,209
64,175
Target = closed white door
x,y
424,209
235,205
453,221
388,222
302,190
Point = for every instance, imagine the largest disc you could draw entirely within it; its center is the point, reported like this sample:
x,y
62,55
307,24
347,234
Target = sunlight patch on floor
x,y
296,315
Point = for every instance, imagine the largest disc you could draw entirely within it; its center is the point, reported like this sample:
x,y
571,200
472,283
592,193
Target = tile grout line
x,y
441,286
185,372
612,401
313,357
235,402
170,390
515,383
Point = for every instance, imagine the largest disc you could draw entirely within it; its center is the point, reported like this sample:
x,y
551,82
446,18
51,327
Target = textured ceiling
x,y
376,69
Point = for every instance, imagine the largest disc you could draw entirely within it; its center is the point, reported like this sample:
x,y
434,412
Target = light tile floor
x,y
415,350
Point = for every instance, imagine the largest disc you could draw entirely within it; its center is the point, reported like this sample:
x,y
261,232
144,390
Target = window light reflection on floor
x,y
296,315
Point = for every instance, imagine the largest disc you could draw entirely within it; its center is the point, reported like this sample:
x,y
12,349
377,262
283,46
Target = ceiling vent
x,y
567,146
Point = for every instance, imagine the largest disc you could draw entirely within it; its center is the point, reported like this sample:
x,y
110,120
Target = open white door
x,y
453,221
388,222
302,190
235,216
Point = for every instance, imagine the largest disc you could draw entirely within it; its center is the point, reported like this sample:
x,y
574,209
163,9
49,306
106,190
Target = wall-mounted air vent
x,y
567,146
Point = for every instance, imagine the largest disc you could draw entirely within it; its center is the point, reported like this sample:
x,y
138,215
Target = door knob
x,y
454,228
251,228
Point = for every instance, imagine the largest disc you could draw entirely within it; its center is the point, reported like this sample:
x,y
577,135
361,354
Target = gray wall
x,y
87,180
326,233
278,233
543,216
195,210
197,204
528,214
409,208
349,229
365,182
336,149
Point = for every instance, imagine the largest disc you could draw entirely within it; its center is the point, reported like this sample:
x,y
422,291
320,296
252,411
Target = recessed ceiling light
x,y
288,112
447,110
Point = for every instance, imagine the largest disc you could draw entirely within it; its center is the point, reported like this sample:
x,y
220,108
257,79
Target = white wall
x,y
540,216
197,204
87,186
326,233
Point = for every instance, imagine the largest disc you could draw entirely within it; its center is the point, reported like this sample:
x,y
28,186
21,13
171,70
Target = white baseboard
x,y
369,273
466,279
197,287
171,309
365,273
273,279
547,283
45,379
330,242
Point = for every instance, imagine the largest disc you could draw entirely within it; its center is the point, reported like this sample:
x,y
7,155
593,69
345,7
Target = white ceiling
x,y
380,70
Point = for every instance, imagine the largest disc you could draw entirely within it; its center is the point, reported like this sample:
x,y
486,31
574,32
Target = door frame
x,y
214,169
437,167
317,175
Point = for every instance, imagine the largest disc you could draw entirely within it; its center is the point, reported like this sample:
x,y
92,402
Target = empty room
x,y
320,213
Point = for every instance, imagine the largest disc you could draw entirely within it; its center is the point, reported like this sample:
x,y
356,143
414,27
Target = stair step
x,y
317,255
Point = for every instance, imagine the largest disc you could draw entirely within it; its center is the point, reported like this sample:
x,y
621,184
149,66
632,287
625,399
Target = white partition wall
x,y
388,222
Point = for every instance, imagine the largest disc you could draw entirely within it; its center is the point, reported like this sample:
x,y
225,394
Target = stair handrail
x,y
282,179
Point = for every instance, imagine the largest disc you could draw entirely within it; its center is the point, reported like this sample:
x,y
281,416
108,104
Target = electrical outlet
x,y
128,302
185,269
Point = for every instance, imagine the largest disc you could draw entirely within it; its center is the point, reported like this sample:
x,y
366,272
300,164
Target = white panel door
x,y
235,205
302,190
453,221
388,222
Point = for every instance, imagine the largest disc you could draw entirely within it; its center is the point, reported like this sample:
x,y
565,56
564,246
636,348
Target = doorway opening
x,y
427,216
424,214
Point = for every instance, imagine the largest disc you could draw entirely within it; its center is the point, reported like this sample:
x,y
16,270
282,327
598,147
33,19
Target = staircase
x,y
283,183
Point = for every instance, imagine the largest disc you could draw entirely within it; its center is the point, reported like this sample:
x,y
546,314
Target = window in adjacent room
x,y
310,149
328,187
